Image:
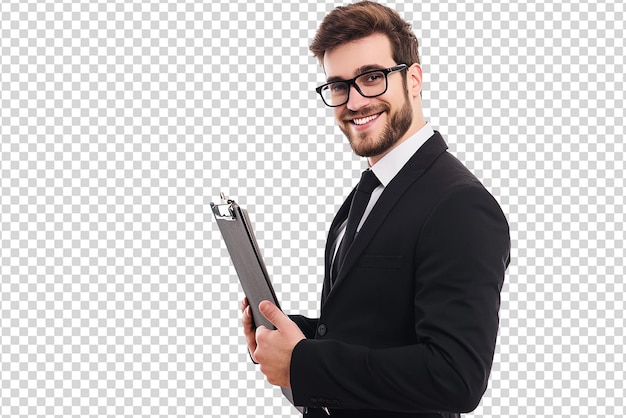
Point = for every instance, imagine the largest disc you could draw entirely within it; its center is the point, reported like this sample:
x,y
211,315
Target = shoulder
x,y
446,178
456,195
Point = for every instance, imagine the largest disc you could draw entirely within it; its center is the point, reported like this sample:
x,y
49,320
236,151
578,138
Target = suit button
x,y
321,330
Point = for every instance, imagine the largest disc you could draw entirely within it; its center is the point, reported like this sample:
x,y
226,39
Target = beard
x,y
398,124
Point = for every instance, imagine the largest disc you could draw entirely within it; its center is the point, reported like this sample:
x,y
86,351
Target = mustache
x,y
348,114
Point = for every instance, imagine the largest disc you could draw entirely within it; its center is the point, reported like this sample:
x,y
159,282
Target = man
x,y
411,293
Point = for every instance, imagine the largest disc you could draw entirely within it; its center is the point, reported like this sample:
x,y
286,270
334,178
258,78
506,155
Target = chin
x,y
367,150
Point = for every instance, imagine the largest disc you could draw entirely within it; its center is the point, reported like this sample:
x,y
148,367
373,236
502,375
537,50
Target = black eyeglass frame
x,y
352,82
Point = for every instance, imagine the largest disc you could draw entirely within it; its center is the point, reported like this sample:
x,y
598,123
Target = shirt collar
x,y
391,164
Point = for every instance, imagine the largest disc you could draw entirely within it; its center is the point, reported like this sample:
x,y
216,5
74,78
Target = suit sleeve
x,y
461,256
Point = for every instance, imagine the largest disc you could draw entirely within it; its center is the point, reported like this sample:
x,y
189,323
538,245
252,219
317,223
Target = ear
x,y
414,80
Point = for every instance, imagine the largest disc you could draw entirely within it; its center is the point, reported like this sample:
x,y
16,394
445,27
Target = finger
x,y
248,329
261,335
248,322
244,304
274,315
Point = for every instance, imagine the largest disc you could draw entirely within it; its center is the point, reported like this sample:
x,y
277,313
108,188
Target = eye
x,y
337,88
373,78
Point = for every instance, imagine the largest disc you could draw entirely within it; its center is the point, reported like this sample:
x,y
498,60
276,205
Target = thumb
x,y
274,315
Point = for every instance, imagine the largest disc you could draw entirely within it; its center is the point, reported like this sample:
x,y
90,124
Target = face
x,y
375,125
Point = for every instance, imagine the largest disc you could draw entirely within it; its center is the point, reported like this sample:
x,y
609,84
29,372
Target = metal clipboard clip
x,y
224,210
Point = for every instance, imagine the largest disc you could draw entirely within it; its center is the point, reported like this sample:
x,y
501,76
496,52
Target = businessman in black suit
x,y
415,257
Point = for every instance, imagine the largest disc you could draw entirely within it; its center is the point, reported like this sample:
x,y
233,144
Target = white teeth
x,y
363,121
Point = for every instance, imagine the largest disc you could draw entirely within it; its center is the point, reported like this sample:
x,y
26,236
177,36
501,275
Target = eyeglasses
x,y
369,84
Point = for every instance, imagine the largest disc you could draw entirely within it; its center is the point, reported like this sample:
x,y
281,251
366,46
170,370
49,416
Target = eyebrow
x,y
357,72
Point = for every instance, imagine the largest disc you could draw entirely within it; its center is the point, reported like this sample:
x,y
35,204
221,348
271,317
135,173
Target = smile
x,y
363,121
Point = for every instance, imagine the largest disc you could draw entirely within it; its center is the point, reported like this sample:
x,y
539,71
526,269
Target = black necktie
x,y
359,202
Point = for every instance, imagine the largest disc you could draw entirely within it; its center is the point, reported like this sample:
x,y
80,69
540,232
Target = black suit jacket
x,y
409,327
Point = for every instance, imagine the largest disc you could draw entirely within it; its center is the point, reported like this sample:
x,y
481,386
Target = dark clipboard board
x,y
236,228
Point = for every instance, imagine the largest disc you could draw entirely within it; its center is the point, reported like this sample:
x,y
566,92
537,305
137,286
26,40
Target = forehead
x,y
344,61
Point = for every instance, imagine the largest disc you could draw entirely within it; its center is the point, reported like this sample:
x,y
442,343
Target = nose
x,y
355,100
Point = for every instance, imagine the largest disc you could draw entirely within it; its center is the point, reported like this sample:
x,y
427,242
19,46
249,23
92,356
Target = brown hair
x,y
357,20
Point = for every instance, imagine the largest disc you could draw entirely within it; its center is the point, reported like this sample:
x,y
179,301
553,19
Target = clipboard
x,y
236,228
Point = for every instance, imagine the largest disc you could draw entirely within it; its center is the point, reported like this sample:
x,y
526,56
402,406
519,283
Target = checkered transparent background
x,y
120,122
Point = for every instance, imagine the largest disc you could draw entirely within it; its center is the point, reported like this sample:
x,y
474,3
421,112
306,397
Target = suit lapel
x,y
411,172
